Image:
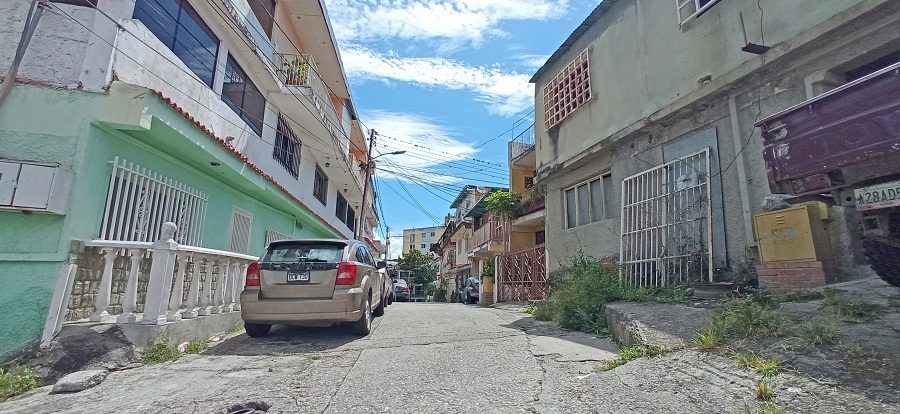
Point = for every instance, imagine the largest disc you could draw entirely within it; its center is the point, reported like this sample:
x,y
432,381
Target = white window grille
x,y
241,222
589,201
665,224
273,235
568,91
287,150
689,10
139,201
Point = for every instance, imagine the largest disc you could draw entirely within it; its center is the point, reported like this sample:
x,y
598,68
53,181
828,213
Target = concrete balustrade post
x,y
221,285
161,274
192,305
101,305
206,294
129,302
178,289
239,284
229,291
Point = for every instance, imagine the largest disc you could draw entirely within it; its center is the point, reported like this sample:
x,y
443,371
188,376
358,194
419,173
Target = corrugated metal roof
x,y
592,18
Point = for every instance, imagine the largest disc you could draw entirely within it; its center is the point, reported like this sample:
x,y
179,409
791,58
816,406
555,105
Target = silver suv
x,y
315,282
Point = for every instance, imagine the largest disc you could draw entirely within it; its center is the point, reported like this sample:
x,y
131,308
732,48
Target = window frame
x,y
261,10
250,119
320,185
288,149
604,193
699,10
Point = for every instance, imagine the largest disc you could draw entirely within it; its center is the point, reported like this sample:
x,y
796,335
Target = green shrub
x,y
13,383
161,352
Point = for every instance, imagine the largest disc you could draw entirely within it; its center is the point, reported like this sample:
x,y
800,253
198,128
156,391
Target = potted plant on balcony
x,y
296,71
507,204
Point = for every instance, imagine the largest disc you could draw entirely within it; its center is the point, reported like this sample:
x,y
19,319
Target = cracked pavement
x,y
437,358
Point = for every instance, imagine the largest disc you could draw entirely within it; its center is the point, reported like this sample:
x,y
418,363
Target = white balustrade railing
x,y
165,300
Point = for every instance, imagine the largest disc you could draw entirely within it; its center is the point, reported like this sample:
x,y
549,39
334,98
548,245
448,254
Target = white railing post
x,y
104,291
205,294
129,302
228,304
178,289
239,284
191,306
161,274
219,293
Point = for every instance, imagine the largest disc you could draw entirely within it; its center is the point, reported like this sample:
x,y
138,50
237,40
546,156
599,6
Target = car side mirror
x,y
380,264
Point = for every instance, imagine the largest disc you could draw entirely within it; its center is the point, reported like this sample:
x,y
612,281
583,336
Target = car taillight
x,y
253,274
346,274
405,289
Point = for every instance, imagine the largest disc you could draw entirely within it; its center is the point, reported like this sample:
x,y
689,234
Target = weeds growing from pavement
x,y
764,391
770,408
630,353
161,352
531,309
313,357
764,367
839,305
16,382
237,329
819,333
800,296
753,316
196,347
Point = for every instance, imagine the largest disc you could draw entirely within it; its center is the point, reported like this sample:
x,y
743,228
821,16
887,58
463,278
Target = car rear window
x,y
400,282
305,252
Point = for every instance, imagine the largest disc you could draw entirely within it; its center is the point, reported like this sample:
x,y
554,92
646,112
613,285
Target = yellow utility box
x,y
798,233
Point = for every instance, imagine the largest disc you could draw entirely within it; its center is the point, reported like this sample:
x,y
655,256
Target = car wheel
x,y
256,330
379,311
364,325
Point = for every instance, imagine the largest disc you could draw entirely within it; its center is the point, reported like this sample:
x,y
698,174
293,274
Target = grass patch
x,y
630,353
769,407
765,367
16,382
764,391
196,347
579,296
313,357
710,338
531,309
161,352
819,333
237,329
800,296
838,304
753,316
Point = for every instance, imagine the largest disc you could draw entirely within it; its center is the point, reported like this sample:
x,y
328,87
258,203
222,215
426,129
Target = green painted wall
x,y
33,247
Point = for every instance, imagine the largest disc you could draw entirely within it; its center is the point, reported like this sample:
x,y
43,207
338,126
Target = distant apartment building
x,y
421,239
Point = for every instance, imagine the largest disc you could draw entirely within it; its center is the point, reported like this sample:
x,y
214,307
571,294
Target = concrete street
x,y
436,358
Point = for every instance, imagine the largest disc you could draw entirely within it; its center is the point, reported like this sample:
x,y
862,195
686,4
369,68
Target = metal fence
x,y
522,275
665,224
139,201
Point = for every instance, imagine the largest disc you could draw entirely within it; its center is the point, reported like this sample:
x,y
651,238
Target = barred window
x,y
568,91
320,186
287,148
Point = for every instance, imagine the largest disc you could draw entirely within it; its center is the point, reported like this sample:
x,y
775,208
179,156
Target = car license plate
x,y
878,196
298,277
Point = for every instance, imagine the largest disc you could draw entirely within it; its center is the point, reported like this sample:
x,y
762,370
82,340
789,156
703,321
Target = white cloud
x,y
504,93
396,248
533,61
427,145
455,20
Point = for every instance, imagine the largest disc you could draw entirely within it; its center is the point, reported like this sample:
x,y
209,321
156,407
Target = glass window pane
x,y
584,205
570,208
596,201
608,197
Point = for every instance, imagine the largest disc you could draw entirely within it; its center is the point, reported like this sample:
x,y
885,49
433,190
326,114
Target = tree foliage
x,y
420,264
505,203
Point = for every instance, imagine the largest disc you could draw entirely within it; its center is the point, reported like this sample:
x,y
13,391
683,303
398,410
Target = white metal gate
x,y
666,226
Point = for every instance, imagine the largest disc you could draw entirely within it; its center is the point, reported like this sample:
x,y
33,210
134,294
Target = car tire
x,y
364,325
379,311
256,330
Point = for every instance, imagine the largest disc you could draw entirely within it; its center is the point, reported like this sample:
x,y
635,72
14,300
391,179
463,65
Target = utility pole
x,y
362,207
387,254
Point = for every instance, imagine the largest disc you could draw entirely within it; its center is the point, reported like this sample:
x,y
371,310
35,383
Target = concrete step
x,y
658,324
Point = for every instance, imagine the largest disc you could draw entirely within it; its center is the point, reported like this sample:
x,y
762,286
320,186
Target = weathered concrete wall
x,y
779,86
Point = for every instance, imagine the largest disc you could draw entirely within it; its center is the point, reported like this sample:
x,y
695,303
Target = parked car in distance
x,y
316,282
469,291
401,290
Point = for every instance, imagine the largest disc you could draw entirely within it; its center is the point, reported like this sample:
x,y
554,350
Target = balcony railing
x,y
301,71
163,282
494,231
533,199
522,275
521,144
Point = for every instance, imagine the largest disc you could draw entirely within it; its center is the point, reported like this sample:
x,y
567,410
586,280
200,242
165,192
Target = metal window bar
x,y
287,148
666,231
139,201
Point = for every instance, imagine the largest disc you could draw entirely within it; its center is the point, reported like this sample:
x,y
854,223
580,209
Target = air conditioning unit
x,y
31,186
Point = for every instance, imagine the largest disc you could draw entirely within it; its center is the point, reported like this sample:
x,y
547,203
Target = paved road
x,y
429,358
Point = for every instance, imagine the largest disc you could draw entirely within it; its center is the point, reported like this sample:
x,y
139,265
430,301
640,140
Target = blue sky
x,y
441,79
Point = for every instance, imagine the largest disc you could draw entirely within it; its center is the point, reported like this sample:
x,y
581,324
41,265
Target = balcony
x,y
521,145
491,237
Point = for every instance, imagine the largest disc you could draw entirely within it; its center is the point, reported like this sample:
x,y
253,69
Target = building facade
x,y
421,239
231,119
645,137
